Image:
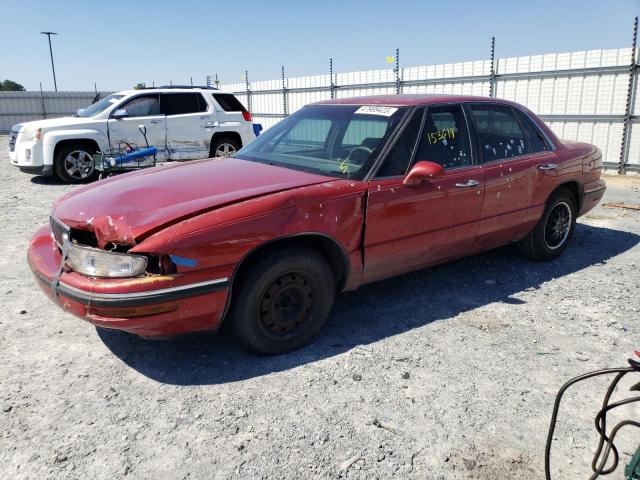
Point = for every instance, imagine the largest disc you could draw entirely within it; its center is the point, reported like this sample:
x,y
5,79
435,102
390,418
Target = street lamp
x,y
48,34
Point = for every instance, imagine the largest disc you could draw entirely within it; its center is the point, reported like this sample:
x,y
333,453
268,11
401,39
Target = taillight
x,y
247,116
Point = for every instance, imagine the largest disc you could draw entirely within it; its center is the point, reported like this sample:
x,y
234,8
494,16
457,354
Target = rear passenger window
x,y
500,133
229,103
537,142
445,138
181,103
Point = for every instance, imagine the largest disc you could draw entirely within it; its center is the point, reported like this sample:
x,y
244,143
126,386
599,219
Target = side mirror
x,y
421,172
120,113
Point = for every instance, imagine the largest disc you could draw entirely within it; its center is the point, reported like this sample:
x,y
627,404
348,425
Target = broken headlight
x,y
98,263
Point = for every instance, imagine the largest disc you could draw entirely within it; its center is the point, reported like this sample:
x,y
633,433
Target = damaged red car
x,y
339,194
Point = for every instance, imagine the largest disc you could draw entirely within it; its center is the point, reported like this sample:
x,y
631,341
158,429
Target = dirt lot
x,y
447,373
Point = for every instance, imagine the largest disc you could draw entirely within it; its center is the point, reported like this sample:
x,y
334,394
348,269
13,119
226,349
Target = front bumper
x,y
148,306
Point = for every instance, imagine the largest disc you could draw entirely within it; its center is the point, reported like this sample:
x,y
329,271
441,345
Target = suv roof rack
x,y
204,87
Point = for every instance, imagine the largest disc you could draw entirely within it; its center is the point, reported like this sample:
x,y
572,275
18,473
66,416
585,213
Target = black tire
x,y
551,236
226,144
283,302
84,172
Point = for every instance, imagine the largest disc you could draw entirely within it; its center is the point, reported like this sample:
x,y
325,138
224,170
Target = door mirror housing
x,y
422,171
120,113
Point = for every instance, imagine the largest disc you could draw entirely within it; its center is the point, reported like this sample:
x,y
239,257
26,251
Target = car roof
x,y
167,90
409,100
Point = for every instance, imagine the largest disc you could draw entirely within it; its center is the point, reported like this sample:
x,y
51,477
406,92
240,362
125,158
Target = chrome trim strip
x,y
147,294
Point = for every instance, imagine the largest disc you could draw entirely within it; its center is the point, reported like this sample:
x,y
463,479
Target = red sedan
x,y
339,194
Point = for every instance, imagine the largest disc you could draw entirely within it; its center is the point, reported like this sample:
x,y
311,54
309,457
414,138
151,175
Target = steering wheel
x,y
359,147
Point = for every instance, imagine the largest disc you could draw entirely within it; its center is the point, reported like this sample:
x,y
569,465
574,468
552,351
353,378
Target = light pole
x,y
48,34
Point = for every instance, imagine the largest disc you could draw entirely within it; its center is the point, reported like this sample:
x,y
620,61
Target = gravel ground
x,y
448,373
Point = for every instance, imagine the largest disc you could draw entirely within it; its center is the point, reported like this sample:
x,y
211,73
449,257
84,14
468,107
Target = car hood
x,y
54,123
123,209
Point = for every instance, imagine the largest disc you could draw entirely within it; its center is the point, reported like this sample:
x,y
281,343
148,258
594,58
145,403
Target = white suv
x,y
182,122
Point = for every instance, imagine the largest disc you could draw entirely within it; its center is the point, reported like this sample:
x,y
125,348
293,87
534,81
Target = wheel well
x,y
332,252
85,142
235,136
576,190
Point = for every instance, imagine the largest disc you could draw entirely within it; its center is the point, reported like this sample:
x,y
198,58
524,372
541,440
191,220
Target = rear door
x,y
187,118
144,110
408,228
510,157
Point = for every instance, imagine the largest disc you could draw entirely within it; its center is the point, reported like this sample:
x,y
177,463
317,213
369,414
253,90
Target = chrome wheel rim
x,y
79,164
286,305
558,225
225,150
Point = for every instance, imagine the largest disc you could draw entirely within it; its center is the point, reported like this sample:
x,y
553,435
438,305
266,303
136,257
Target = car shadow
x,y
371,313
46,180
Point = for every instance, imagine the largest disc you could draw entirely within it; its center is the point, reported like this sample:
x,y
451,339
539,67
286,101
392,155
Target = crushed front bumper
x,y
149,306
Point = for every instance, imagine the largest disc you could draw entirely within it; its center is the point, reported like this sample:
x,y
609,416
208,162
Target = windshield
x,y
100,106
335,140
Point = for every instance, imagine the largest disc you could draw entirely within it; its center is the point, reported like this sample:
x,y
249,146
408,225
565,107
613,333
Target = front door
x,y
124,131
408,228
189,125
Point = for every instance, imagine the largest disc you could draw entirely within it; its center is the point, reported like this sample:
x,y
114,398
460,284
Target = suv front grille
x,y
12,140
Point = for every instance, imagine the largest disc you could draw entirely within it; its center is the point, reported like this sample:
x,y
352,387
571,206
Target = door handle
x,y
215,124
155,121
470,183
547,166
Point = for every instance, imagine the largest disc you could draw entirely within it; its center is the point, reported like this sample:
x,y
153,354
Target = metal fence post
x,y
492,73
398,86
332,86
631,90
246,85
44,110
284,94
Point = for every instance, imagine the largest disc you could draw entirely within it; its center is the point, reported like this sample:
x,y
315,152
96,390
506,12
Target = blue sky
x,y
120,43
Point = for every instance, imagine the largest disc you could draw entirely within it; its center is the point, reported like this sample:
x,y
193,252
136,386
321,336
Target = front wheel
x,y
74,164
283,302
551,236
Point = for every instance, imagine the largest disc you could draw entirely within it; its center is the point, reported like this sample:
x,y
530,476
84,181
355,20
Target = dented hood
x,y
121,209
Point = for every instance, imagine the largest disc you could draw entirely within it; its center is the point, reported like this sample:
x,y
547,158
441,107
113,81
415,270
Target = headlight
x,y
31,134
98,263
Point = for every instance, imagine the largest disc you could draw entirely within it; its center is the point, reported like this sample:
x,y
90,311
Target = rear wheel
x,y
224,147
74,164
283,302
552,234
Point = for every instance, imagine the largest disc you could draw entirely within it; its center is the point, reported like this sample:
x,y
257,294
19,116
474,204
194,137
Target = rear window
x,y
229,103
181,103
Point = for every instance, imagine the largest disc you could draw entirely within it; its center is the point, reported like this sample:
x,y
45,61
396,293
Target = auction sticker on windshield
x,y
376,110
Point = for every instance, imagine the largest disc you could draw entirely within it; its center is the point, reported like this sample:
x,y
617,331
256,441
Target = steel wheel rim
x,y
557,226
79,164
286,305
225,150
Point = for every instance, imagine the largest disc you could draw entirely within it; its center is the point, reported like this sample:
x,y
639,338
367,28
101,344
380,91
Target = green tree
x,y
10,86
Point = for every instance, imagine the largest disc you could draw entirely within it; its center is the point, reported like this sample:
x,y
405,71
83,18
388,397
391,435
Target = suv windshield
x,y
335,140
100,106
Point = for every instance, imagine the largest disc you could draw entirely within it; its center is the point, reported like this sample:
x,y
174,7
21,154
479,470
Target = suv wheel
x,y
553,232
283,302
74,164
224,147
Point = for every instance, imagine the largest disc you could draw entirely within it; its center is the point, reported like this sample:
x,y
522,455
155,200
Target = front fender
x,y
51,139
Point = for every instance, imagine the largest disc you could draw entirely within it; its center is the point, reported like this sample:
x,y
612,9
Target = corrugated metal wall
x,y
17,107
582,95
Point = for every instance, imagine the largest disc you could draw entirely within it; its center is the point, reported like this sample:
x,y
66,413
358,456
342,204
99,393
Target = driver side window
x,y
143,106
445,137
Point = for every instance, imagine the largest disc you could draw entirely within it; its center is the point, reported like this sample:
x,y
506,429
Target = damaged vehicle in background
x,y
339,194
183,123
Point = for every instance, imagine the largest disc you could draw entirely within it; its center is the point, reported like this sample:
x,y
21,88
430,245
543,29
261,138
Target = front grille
x,y
12,140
